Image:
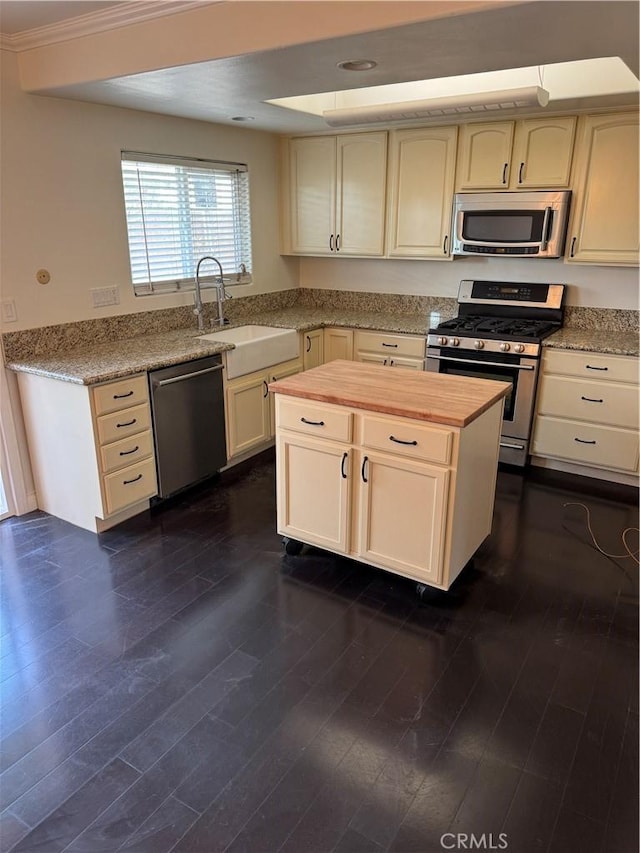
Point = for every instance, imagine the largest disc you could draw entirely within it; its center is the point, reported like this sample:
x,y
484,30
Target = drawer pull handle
x,y
364,465
127,423
400,441
345,456
395,346
591,367
584,441
127,452
591,400
122,396
135,480
312,423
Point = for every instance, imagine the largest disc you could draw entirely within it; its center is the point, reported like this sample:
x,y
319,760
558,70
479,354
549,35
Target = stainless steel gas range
x,y
497,335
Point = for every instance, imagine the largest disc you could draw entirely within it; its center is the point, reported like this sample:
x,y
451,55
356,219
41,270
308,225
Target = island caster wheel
x,y
292,547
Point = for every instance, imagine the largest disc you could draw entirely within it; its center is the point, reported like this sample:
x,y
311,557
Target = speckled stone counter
x,y
595,340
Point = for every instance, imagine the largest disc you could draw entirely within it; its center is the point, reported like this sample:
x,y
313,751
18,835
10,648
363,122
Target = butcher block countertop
x,y
436,397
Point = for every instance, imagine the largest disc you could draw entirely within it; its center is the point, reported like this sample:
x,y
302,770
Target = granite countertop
x,y
612,341
103,362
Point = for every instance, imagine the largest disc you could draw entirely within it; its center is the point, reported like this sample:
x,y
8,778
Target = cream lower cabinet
x,y
389,349
587,411
338,343
399,494
249,411
91,448
312,348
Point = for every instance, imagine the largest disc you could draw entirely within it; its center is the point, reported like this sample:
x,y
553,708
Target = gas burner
x,y
498,327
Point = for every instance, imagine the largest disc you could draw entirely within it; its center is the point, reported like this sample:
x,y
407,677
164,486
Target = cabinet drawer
x,y
606,402
603,447
124,423
120,395
613,368
125,452
390,345
320,419
406,438
130,485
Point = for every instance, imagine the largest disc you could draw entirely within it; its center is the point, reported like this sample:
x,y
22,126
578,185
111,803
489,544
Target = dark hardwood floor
x,y
179,684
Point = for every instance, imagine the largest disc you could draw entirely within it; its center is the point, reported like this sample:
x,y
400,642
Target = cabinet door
x,y
604,223
338,343
402,515
361,181
421,172
247,413
542,152
280,371
484,156
313,491
312,178
313,349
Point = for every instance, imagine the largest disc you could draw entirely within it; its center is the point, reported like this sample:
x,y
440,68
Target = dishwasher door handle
x,y
163,382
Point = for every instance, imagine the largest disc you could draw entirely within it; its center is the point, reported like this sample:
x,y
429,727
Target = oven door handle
x,y
483,363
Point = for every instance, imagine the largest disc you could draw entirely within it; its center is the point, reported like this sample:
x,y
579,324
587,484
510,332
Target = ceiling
x,y
505,35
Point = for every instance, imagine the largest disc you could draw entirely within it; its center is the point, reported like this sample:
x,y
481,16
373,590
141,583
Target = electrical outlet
x,y
103,296
9,313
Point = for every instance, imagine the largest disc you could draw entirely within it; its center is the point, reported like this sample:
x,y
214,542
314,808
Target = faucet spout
x,y
199,309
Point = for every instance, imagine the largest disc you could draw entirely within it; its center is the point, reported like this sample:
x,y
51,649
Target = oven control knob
x,y
505,347
478,344
454,342
442,342
519,347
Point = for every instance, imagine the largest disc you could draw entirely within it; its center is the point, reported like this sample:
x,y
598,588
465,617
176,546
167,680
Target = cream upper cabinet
x,y
542,153
604,221
337,194
421,181
533,153
484,156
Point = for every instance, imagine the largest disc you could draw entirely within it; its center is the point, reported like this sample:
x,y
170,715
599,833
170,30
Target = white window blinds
x,y
179,210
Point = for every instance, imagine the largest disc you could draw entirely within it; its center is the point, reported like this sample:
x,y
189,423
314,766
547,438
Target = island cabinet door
x,y
402,515
314,490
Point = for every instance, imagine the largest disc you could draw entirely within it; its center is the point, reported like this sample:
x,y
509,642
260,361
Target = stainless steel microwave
x,y
520,224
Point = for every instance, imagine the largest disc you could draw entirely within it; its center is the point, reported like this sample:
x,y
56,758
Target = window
x,y
179,210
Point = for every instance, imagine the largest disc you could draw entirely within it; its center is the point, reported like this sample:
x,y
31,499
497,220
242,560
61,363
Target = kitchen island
x,y
396,469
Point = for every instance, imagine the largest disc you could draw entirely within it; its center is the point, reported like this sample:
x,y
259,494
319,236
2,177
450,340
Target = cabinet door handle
x,y
395,346
135,480
573,245
583,441
308,344
591,400
445,244
331,243
385,362
364,465
128,452
520,173
337,242
127,423
266,388
345,456
122,396
312,423
504,173
390,362
400,441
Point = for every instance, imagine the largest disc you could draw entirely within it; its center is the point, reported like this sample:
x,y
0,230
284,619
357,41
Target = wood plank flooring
x,y
179,684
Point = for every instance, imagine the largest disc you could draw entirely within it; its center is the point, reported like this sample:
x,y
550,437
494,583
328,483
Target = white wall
x,y
62,205
593,286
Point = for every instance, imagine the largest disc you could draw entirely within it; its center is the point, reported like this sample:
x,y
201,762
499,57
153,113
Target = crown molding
x,y
123,15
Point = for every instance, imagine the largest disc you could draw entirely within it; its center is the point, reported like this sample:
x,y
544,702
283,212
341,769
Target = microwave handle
x,y
546,222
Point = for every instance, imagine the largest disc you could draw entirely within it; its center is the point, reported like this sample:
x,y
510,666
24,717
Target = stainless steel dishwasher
x,y
187,407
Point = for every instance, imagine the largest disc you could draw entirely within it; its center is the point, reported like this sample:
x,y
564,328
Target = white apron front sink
x,y
256,347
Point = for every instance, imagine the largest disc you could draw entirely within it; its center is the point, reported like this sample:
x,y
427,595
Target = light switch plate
x,y
9,313
103,296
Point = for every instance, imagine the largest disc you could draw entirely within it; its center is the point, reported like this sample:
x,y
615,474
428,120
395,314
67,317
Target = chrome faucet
x,y
220,294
